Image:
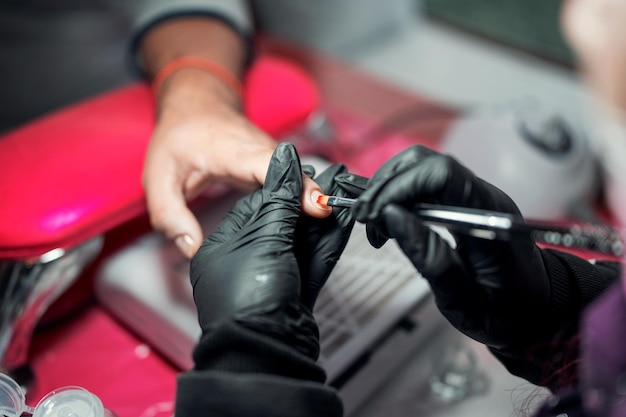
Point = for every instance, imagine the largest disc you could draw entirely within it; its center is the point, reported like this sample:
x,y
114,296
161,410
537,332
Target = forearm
x,y
198,36
575,284
195,36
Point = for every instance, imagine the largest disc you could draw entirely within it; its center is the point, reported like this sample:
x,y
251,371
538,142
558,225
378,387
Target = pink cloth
x,y
603,348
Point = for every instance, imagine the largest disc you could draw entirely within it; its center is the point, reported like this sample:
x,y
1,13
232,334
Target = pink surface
x,y
77,172
95,352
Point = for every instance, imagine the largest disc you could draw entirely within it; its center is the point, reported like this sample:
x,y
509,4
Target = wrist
x,y
192,89
185,63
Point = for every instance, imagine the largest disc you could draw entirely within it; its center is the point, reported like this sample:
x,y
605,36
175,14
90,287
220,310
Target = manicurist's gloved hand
x,y
265,264
510,295
255,282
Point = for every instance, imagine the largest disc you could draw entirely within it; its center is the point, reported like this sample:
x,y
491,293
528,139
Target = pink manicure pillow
x,y
76,173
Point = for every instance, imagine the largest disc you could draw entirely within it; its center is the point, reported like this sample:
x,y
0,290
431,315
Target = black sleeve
x,y
242,372
576,282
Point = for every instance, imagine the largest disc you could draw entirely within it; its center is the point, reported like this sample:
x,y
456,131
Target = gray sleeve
x,y
144,14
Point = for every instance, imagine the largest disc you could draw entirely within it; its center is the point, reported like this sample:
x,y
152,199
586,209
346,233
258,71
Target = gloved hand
x,y
265,264
496,292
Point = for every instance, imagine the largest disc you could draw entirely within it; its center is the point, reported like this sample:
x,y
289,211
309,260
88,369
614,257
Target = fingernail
x,y
185,244
314,196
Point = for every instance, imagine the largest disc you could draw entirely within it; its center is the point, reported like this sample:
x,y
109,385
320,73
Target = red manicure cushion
x,y
76,173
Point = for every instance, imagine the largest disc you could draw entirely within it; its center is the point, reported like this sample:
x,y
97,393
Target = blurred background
x,y
460,52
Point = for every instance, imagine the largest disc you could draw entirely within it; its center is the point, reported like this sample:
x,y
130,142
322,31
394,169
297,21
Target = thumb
x,y
283,182
352,184
190,239
170,215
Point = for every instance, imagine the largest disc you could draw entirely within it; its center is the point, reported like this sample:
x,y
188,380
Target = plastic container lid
x,y
68,401
12,398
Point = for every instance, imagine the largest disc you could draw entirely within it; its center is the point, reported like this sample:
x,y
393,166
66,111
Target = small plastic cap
x,y
69,402
12,398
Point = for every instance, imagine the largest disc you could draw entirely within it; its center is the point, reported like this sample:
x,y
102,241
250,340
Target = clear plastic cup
x,y
62,402
69,402
12,398
454,369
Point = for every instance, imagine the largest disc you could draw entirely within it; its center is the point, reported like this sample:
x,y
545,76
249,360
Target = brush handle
x,y
505,226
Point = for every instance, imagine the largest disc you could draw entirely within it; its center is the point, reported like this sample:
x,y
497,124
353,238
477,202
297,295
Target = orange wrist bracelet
x,y
195,62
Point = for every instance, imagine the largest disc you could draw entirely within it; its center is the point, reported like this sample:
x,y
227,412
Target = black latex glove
x,y
320,242
496,292
265,264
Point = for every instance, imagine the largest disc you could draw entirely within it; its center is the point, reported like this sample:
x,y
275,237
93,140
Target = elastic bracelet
x,y
195,62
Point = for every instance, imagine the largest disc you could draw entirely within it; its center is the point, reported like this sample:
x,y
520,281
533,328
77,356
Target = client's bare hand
x,y
200,138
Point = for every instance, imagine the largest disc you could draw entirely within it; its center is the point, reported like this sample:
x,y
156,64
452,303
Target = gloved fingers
x,y
434,258
392,174
421,175
376,232
341,219
404,160
320,242
327,178
408,181
247,263
337,181
490,257
352,184
283,182
308,170
311,191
